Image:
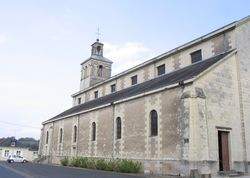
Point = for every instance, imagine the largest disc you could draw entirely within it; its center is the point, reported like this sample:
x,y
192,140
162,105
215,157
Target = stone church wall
x,y
158,154
218,110
243,57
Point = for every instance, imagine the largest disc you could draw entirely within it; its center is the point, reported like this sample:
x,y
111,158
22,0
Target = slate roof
x,y
174,77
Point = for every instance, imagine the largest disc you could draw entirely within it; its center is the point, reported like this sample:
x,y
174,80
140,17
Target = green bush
x,y
128,166
75,162
65,161
83,162
101,164
119,165
111,165
91,163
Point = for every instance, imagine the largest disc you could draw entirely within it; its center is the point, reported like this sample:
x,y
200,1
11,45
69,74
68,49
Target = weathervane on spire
x,y
98,34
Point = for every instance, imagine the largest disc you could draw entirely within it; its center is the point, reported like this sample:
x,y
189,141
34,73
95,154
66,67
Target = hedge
x,y
118,165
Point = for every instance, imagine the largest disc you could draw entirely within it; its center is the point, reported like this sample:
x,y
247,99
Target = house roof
x,y
174,77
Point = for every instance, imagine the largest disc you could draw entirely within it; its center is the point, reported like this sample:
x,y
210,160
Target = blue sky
x,y
43,42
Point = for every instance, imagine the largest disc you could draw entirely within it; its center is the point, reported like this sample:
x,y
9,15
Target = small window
x,y
93,131
6,153
154,123
18,153
47,137
96,94
61,135
118,128
75,133
79,100
113,88
134,80
161,69
100,71
196,56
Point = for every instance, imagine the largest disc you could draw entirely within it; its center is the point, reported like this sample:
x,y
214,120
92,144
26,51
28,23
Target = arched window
x,y
154,123
61,135
75,133
93,131
118,128
47,137
100,71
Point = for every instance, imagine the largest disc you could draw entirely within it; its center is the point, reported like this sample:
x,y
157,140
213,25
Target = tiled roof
x,y
176,76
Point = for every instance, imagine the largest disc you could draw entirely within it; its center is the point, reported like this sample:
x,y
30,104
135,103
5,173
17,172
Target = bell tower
x,y
96,68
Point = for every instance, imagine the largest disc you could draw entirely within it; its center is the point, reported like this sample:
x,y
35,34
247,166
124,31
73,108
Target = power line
x,y
19,125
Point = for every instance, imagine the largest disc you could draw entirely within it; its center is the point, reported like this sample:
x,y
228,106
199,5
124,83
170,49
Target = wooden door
x,y
223,151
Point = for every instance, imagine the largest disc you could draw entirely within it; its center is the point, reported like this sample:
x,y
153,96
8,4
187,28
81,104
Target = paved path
x,y
29,170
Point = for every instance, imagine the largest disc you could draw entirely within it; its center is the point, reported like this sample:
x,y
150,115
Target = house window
x,y
161,69
100,71
118,128
134,80
154,123
113,88
18,153
75,133
96,94
196,56
6,153
79,100
47,137
61,135
93,131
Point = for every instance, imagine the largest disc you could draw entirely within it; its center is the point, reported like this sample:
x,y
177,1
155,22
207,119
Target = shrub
x,y
83,162
65,161
101,164
111,165
119,165
91,164
128,166
75,162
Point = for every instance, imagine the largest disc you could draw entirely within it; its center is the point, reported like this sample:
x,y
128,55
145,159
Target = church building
x,y
183,111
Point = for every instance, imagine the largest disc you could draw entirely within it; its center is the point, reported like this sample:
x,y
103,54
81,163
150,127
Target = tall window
x,y
47,137
161,69
196,56
61,135
134,80
118,128
79,100
100,71
154,123
113,88
93,131
96,94
75,133
85,72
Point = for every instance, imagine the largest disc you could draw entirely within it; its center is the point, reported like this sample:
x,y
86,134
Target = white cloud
x,y
3,39
126,55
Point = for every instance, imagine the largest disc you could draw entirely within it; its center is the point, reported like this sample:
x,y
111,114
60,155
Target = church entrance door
x,y
223,151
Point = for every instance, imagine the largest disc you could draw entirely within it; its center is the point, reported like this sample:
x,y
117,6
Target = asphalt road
x,y
30,170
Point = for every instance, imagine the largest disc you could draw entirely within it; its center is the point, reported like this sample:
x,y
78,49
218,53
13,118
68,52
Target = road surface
x,y
30,170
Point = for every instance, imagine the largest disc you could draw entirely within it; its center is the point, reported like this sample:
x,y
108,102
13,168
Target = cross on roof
x,y
98,34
